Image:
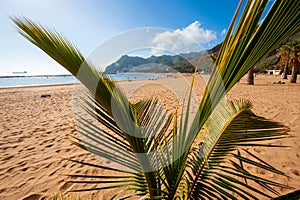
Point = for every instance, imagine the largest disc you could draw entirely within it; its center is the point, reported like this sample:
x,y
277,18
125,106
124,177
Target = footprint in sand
x,y
5,148
33,197
30,148
9,170
296,172
22,163
8,158
49,145
67,150
47,165
25,169
53,172
65,186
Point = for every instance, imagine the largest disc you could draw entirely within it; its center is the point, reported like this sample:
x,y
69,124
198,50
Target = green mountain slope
x,y
184,62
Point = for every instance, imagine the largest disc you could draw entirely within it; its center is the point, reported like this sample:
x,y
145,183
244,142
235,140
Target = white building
x,y
274,72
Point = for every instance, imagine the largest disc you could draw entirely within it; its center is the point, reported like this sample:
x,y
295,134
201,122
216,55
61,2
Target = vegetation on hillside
x,y
184,63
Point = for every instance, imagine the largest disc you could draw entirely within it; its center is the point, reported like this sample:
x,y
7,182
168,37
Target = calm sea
x,y
51,80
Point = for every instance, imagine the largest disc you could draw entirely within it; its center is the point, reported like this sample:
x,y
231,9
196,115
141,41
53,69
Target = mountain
x,y
184,62
270,59
125,64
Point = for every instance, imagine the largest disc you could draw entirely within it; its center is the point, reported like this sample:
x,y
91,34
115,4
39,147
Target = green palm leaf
x,y
105,92
244,47
129,150
215,161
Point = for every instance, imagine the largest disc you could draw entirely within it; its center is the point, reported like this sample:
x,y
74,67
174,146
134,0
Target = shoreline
x,y
76,81
37,86
167,76
33,76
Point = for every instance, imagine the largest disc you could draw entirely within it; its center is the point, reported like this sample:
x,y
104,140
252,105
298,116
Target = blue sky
x,y
89,23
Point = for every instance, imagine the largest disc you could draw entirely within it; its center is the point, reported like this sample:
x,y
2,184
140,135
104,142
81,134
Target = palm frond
x,y
291,196
105,94
67,55
131,146
216,162
174,152
244,46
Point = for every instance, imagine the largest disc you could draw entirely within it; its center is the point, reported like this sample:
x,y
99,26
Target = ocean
x,y
53,80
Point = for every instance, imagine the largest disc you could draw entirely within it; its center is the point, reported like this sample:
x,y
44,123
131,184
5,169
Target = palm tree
x,y
289,54
293,48
163,160
250,77
284,55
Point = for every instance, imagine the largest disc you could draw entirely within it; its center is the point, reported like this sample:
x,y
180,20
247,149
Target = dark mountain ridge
x,y
184,62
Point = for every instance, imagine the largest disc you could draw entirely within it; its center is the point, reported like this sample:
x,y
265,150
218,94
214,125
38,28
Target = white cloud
x,y
223,32
189,38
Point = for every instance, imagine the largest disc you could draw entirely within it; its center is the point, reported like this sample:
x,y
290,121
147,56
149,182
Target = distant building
x,y
274,72
24,72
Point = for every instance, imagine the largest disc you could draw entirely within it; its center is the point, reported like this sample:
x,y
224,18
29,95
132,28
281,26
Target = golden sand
x,y
34,140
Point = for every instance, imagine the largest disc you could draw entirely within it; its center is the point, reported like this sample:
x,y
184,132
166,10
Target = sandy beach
x,y
34,142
